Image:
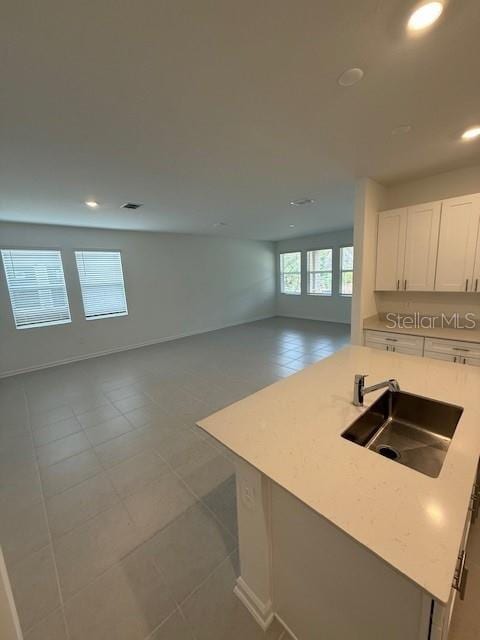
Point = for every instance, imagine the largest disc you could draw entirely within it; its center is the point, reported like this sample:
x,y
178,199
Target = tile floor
x,y
117,515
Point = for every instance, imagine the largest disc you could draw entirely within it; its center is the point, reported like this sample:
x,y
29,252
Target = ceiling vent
x,y
131,205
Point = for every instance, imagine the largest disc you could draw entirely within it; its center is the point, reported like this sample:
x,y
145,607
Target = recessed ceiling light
x,y
301,202
92,204
401,129
425,15
350,77
218,225
292,226
471,134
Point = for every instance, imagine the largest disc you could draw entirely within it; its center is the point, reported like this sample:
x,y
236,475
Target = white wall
x,y
437,187
334,308
175,284
370,198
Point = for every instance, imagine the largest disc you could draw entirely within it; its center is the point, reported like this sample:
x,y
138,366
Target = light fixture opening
x,y
471,134
425,15
93,204
350,77
131,205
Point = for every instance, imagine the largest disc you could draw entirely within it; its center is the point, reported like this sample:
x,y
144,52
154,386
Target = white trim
x,y
300,317
106,352
286,627
261,611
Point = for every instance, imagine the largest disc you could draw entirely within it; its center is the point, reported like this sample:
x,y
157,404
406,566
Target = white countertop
x,y
464,335
291,430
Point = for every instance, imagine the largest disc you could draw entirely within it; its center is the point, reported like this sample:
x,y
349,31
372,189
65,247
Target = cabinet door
x,y
457,244
390,249
476,271
423,225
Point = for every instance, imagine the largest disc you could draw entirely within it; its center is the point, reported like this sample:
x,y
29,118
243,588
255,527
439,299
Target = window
x,y
101,281
291,273
319,272
36,285
346,271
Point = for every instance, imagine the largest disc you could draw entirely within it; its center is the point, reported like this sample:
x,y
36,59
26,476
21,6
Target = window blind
x,y
291,273
101,282
36,286
319,272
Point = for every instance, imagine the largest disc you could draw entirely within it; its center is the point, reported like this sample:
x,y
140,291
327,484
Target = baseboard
x,y
139,345
261,611
286,627
299,317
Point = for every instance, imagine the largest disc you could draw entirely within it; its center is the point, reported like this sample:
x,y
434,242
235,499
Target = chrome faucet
x,y
360,390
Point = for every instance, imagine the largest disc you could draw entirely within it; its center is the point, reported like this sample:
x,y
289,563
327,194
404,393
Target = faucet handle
x,y
360,376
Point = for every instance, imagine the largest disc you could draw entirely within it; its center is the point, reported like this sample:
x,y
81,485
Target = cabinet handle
x,y
405,287
476,284
466,284
391,339
460,349
475,503
455,359
461,574
398,285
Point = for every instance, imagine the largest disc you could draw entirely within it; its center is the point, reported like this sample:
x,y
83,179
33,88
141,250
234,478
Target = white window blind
x,y
346,271
319,272
36,285
101,282
291,273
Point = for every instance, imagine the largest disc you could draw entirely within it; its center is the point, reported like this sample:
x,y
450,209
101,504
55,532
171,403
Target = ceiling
x,y
214,111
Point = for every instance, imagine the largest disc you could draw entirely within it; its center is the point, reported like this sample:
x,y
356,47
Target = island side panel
x,y
326,585
254,586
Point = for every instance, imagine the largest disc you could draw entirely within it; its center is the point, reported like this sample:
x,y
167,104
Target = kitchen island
x,y
335,540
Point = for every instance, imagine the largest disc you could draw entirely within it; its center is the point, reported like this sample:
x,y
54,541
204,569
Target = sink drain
x,y
388,452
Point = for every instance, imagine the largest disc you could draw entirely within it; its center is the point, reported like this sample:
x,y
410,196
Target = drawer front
x,y
453,347
398,340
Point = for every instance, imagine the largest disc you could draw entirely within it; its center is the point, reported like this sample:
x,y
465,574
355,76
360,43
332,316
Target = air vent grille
x,y
131,205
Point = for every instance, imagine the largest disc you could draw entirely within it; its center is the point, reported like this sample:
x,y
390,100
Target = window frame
x,y
37,249
321,295
282,273
108,315
342,271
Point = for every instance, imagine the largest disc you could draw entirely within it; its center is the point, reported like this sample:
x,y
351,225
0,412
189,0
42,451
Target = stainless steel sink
x,y
407,428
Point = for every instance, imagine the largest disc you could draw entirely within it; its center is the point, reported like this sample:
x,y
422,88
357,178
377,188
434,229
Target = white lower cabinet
x,y
395,342
457,351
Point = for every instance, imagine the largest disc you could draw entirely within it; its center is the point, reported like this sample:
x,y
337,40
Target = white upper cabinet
x,y
407,248
423,225
390,249
457,266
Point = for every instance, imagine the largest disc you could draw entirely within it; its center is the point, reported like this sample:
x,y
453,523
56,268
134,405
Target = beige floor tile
x,y
86,551
174,628
159,503
136,472
189,549
126,603
46,418
204,469
177,446
83,501
22,490
108,430
34,586
95,417
215,612
55,431
115,451
124,405
67,473
59,450
24,533
145,415
51,628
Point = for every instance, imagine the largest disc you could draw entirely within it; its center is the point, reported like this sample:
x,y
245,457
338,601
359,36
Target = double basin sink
x,y
409,429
